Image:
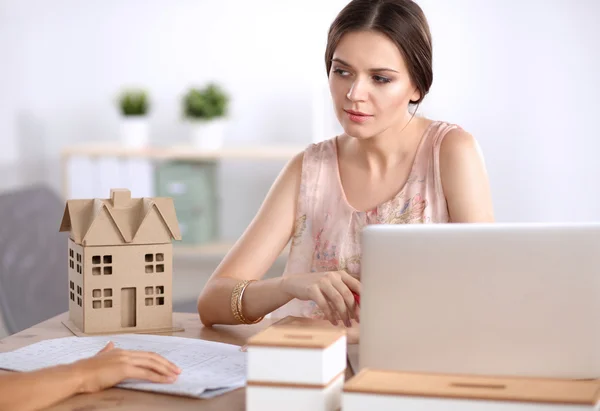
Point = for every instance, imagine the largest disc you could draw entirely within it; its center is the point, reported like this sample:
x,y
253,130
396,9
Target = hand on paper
x,y
112,366
332,291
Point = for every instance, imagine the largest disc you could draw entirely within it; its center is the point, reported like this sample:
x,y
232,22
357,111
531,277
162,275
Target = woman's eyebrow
x,y
379,69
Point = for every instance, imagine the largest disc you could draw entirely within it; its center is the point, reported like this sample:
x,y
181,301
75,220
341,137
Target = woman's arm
x,y
254,253
38,389
257,249
464,179
30,391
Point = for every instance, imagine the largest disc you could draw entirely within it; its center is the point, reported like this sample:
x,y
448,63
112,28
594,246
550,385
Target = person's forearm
x,y
259,299
30,391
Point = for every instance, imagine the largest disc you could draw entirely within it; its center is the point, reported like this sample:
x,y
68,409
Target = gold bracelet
x,y
239,305
236,302
234,297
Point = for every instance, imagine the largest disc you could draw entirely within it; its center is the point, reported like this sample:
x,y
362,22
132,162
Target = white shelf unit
x,y
112,151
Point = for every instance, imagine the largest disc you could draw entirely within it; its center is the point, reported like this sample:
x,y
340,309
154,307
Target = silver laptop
x,y
490,299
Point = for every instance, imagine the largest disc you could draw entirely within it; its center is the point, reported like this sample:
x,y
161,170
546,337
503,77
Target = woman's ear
x,y
416,96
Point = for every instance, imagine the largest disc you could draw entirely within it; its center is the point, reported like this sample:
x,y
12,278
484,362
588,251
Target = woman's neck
x,y
388,149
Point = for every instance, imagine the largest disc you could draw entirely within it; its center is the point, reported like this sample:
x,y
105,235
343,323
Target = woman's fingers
x,y
316,295
347,295
152,366
154,362
147,374
166,362
333,295
338,317
352,283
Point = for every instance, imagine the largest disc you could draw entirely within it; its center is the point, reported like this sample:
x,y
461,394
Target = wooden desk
x,y
120,399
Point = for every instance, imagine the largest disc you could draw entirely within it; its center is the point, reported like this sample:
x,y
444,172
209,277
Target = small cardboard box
x,y
388,390
296,367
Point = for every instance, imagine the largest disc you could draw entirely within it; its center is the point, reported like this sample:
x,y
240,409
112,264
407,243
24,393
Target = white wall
x,y
64,61
522,76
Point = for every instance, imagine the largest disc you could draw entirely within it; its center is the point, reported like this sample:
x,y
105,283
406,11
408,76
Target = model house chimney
x,y
120,197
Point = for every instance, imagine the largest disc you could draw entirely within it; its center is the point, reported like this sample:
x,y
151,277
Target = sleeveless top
x,y
327,228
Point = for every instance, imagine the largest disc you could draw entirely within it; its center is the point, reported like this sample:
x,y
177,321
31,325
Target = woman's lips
x,y
357,116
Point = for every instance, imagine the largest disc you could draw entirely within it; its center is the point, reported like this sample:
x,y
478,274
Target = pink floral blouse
x,y
327,231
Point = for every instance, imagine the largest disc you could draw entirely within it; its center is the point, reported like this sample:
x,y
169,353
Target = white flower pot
x,y
135,131
207,135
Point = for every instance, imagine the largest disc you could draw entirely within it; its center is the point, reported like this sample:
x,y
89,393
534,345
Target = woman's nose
x,y
357,92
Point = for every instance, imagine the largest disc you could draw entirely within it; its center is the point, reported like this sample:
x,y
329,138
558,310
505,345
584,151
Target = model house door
x,y
128,311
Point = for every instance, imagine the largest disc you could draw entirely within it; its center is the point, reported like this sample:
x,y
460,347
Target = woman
x,y
40,389
389,167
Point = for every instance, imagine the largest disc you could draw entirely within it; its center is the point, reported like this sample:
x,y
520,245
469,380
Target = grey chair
x,y
33,267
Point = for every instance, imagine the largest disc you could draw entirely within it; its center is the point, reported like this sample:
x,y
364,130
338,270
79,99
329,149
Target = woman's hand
x,y
112,365
37,390
331,291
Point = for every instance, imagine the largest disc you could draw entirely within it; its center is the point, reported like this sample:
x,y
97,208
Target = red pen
x,y
356,298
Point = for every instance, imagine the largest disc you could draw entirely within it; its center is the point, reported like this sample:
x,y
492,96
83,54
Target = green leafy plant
x,y
206,103
134,102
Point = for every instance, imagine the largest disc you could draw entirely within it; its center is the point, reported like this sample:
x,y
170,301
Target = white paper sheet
x,y
209,368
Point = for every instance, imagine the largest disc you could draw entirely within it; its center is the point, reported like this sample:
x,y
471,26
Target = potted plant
x,y
206,111
134,107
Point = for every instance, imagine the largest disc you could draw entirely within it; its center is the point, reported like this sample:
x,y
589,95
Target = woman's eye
x,y
381,79
340,72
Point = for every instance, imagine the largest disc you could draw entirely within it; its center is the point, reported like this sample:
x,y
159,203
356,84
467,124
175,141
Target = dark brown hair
x,y
402,21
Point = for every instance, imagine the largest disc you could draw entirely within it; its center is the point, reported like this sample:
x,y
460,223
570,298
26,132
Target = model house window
x,y
79,296
102,265
71,258
159,291
157,263
102,298
71,290
79,266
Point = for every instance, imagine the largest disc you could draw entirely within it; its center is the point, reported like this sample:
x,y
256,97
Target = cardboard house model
x,y
120,263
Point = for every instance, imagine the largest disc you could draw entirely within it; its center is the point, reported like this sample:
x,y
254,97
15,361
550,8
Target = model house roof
x,y
121,220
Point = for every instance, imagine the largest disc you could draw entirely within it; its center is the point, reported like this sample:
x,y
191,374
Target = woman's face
x,y
369,84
